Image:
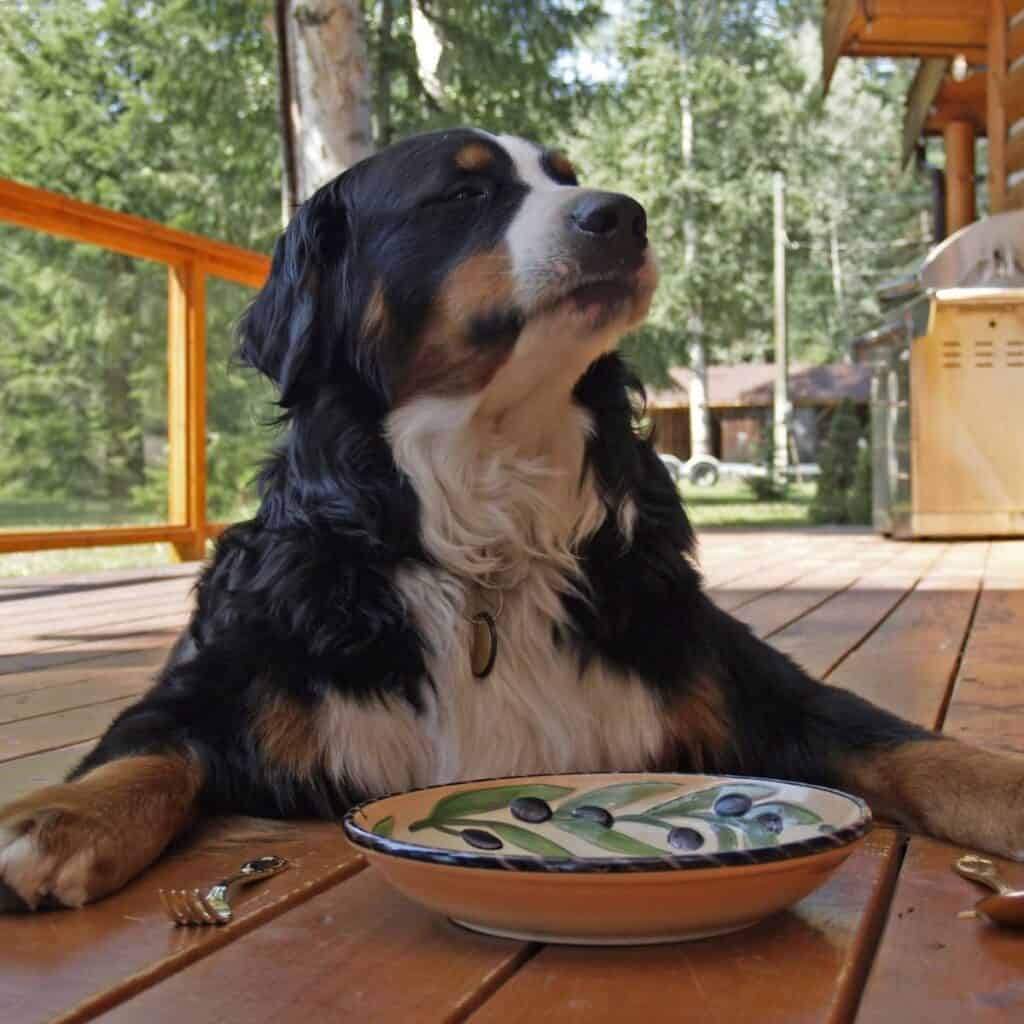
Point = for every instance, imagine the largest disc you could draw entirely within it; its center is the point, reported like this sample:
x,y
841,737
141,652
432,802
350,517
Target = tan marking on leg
x,y
446,360
81,840
946,788
286,733
699,729
474,157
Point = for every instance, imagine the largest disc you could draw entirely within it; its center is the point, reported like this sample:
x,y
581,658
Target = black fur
x,y
301,600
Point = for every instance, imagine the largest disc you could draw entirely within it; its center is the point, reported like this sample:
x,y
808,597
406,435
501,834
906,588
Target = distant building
x,y
740,402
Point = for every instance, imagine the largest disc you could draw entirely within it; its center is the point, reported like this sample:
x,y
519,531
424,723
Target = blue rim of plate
x,y
792,850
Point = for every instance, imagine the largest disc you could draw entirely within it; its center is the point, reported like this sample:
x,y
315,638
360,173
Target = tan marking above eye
x,y
474,157
561,165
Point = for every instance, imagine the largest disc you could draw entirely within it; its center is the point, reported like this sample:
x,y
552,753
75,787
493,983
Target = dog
x,y
468,561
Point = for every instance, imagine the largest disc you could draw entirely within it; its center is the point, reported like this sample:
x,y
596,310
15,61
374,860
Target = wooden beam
x,y
835,27
960,199
1013,95
50,540
69,218
996,105
923,90
1015,153
186,406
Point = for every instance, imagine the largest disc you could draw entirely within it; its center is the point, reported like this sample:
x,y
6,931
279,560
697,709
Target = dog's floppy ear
x,y
282,333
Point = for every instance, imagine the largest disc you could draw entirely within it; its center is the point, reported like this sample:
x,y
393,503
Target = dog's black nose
x,y
613,218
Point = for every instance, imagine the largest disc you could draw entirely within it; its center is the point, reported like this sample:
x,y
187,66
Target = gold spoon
x,y
1006,907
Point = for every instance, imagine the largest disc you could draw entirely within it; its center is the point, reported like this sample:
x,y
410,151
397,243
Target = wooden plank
x,y
1015,153
1001,54
787,979
932,966
79,653
17,588
50,540
153,629
186,405
70,218
799,966
922,93
99,622
358,952
1013,95
824,637
760,582
27,773
772,612
56,699
34,735
147,659
907,665
77,963
32,623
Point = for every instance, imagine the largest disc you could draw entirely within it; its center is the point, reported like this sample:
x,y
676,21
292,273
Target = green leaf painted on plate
x,y
704,799
532,842
607,838
618,794
757,835
479,801
791,814
384,827
726,837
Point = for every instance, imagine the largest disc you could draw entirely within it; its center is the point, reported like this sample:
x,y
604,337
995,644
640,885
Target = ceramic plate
x,y
609,858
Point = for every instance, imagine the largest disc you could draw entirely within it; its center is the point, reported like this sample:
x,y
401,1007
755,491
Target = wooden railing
x,y
189,259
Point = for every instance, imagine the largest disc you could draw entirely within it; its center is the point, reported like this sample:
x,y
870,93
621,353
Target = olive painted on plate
x,y
589,812
685,838
531,809
732,805
480,839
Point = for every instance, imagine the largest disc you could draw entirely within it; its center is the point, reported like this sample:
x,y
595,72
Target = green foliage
x,y
770,486
163,110
844,486
750,71
500,70
168,110
859,503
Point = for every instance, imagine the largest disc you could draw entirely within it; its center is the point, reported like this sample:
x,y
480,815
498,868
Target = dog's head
x,y
452,263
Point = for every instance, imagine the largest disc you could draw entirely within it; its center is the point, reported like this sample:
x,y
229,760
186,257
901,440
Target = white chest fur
x,y
491,514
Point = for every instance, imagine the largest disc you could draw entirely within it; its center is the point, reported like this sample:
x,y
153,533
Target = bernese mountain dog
x,y
468,561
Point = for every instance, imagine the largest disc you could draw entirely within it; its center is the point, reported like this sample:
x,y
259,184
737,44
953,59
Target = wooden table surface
x,y
933,631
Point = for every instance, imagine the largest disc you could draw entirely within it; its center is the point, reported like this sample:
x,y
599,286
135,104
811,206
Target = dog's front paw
x,y
51,855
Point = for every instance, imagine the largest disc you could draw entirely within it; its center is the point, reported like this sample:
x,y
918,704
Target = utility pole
x,y
781,407
700,420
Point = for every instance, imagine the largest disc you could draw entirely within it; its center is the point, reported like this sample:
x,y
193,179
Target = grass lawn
x,y
729,503
732,503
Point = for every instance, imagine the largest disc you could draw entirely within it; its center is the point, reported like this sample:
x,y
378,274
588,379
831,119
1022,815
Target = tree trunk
x,y
382,98
324,76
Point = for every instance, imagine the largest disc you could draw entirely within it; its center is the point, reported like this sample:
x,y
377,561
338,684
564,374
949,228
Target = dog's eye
x,y
466,191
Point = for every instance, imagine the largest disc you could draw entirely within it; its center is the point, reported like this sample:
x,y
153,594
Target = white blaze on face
x,y
538,238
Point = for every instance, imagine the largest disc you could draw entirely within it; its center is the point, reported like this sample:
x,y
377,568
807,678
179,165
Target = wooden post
x,y
781,405
960,207
186,406
995,85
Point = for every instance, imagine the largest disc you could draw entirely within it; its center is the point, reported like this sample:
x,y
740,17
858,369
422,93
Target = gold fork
x,y
210,906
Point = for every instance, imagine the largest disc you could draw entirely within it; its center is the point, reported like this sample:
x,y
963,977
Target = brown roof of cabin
x,y
753,384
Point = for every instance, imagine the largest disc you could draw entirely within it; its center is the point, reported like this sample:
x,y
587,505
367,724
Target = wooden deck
x,y
932,631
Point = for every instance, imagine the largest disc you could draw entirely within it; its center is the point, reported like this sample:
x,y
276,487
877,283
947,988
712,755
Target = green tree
x,y
839,496
750,78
